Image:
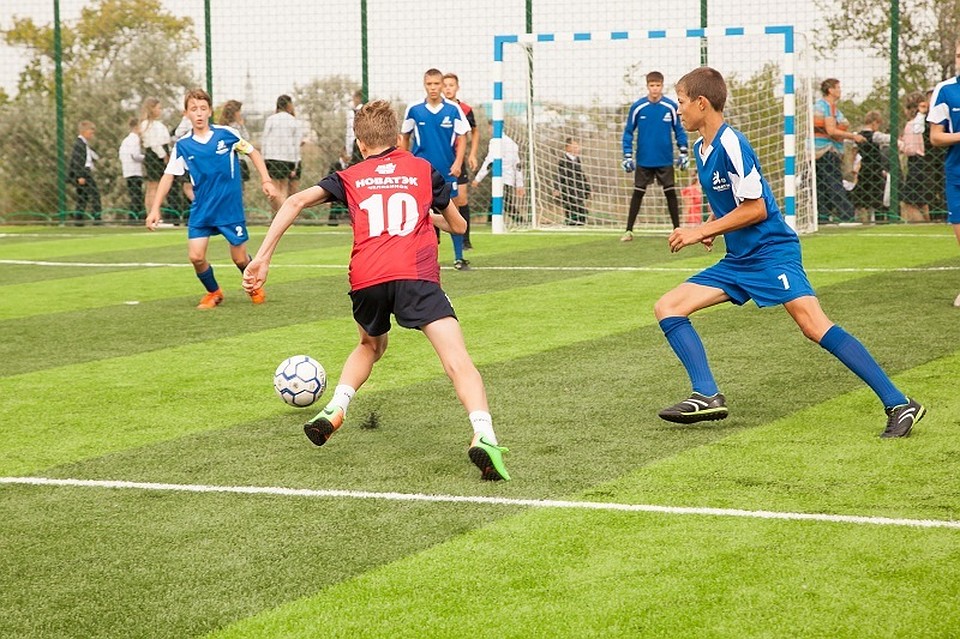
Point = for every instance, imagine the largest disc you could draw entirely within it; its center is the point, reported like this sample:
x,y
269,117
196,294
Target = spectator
x,y
944,119
131,164
339,209
917,186
350,139
283,135
156,140
512,175
830,131
82,161
654,118
867,194
573,187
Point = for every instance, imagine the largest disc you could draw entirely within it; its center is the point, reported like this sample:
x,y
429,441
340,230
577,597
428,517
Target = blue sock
x,y
208,280
686,343
855,356
457,247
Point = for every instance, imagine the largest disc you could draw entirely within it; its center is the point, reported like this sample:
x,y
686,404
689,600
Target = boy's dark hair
x,y
569,140
828,84
197,94
376,124
284,102
452,76
654,76
706,82
433,72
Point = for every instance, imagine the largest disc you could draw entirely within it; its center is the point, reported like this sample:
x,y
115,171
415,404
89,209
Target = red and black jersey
x,y
389,197
468,113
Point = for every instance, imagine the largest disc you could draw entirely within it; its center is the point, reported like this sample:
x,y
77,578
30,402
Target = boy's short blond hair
x,y
376,124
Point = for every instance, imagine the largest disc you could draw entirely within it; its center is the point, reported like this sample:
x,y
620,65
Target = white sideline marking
x,y
493,501
649,269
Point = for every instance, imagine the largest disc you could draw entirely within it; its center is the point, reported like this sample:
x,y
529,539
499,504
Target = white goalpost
x,y
552,87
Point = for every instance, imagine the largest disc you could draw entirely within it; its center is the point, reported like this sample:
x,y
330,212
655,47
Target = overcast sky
x,y
280,45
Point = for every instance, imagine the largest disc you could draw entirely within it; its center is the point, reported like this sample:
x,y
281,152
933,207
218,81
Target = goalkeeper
x,y
654,118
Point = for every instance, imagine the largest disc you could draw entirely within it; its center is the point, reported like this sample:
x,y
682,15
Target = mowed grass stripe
x,y
113,395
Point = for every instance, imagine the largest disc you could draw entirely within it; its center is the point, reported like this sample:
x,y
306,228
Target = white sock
x,y
483,425
342,396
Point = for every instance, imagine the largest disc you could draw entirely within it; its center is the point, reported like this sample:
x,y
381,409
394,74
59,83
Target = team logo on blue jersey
x,y
720,183
446,122
222,147
386,169
667,117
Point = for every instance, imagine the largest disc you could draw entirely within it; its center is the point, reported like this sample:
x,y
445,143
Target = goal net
x,y
550,88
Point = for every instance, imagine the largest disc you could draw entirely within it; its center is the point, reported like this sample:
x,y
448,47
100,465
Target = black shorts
x,y
153,165
464,177
415,303
283,170
645,176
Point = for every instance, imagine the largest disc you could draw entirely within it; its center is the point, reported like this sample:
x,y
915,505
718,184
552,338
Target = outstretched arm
x,y
255,274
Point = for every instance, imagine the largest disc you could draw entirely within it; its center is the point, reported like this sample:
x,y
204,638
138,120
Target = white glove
x,y
628,164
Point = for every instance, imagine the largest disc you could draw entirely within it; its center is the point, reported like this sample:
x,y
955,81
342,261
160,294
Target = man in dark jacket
x,y
573,187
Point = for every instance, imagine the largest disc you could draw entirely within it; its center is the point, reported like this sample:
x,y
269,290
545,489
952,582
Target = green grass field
x,y
108,373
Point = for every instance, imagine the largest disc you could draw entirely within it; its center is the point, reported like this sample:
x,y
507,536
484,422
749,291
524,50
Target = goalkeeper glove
x,y
682,161
628,164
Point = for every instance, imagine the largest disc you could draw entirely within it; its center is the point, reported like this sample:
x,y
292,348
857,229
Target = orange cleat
x,y
258,296
211,300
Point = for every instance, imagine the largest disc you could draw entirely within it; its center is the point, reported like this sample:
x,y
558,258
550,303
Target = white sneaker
x,y
956,302
627,237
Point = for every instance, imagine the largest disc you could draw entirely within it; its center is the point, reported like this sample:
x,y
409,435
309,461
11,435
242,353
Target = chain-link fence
x,y
100,62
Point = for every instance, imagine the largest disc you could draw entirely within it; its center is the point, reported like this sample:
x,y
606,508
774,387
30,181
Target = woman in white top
x,y
156,140
280,144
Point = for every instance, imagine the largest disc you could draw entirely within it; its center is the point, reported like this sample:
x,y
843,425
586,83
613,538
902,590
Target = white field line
x,y
664,269
491,501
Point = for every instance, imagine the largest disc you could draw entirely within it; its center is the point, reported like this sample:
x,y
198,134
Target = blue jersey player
x,y
434,130
762,262
655,121
209,155
944,119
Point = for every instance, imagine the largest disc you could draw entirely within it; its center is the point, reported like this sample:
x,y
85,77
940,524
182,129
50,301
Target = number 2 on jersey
x,y
398,217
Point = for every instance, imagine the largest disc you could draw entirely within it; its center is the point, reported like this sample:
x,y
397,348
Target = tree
x,y
325,103
928,31
114,55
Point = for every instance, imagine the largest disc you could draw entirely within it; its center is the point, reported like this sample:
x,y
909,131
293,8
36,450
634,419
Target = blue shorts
x,y
236,233
777,283
453,188
952,192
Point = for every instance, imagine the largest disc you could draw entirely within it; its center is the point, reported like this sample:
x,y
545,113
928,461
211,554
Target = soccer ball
x,y
300,380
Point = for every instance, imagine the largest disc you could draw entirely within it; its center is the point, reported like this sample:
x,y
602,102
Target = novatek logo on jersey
x,y
720,183
668,117
222,148
386,182
447,123
386,169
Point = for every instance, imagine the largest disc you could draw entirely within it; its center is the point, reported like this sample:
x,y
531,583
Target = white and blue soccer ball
x,y
300,380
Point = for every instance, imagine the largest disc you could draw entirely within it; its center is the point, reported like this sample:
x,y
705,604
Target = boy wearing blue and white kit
x,y
763,262
655,120
944,119
437,127
209,155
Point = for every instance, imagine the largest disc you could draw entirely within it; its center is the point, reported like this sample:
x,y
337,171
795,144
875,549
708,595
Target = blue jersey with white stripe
x,y
214,170
729,174
434,131
655,123
945,110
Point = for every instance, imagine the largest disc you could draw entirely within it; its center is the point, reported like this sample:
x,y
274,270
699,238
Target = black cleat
x,y
900,419
462,265
697,408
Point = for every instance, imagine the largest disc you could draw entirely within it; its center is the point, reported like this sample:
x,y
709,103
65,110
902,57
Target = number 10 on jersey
x,y
397,216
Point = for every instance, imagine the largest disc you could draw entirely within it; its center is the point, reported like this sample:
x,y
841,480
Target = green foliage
x,y
114,55
928,30
325,102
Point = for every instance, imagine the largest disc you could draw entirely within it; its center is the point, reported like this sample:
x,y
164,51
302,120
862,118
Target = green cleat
x,y
320,428
489,459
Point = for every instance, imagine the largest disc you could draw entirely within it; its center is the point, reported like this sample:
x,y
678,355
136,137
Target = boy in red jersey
x,y
393,270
